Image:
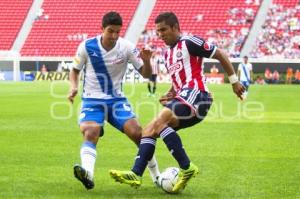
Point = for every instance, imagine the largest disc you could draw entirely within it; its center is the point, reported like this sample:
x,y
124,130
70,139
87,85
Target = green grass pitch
x,y
246,149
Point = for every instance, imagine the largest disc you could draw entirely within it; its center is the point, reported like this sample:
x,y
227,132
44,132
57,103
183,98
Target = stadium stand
x,y
64,24
225,25
280,36
12,15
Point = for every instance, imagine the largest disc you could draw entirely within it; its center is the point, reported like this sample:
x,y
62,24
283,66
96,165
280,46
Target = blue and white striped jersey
x,y
104,70
245,69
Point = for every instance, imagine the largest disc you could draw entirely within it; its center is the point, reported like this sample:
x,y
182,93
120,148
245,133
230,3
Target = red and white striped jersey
x,y
155,62
184,62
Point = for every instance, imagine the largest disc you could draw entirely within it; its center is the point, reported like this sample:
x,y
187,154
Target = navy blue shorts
x,y
153,78
246,84
190,106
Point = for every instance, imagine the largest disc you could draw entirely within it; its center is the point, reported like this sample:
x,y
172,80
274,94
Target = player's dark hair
x,y
112,18
169,18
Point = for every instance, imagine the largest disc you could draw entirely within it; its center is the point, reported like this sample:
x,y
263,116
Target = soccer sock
x,y
149,88
174,144
154,89
88,156
153,168
145,153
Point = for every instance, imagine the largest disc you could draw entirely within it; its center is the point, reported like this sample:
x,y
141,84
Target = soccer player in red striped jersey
x,y
155,62
186,104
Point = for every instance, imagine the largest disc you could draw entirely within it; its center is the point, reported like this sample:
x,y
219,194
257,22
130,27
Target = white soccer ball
x,y
168,179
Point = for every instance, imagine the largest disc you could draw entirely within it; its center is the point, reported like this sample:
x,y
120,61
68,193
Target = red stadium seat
x,y
68,21
12,16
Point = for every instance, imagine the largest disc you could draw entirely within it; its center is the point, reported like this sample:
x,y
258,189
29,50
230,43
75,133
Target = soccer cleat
x,y
127,177
83,176
184,176
156,182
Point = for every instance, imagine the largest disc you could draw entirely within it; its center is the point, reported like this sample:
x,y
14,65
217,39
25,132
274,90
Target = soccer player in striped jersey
x,y
245,74
155,62
103,60
186,103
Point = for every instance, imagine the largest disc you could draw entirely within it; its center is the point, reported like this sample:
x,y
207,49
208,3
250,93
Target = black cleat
x,y
82,175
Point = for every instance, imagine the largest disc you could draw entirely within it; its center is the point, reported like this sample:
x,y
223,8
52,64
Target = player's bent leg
x,y
91,131
126,177
133,130
174,144
83,176
85,172
154,128
184,177
133,177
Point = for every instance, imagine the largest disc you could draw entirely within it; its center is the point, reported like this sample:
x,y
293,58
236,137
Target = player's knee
x,y
154,128
137,133
91,136
134,132
90,133
159,126
148,131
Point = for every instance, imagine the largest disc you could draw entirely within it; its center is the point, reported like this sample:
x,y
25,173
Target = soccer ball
x,y
168,179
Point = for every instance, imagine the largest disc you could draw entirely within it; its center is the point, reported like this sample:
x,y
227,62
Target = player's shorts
x,y
115,111
246,84
153,78
190,106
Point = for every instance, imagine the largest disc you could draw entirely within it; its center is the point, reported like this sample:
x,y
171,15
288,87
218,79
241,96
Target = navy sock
x,y
146,151
149,88
174,144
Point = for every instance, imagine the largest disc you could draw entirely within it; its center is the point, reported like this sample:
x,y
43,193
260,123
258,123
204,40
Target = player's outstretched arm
x,y
237,87
74,81
146,69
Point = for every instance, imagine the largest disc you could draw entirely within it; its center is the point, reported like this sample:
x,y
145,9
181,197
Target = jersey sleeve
x,y
133,56
80,58
199,47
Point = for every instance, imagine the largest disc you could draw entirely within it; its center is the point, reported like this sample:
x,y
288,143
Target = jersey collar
x,y
178,39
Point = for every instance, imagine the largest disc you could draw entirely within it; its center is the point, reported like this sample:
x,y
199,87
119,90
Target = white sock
x,y
88,156
244,96
153,168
